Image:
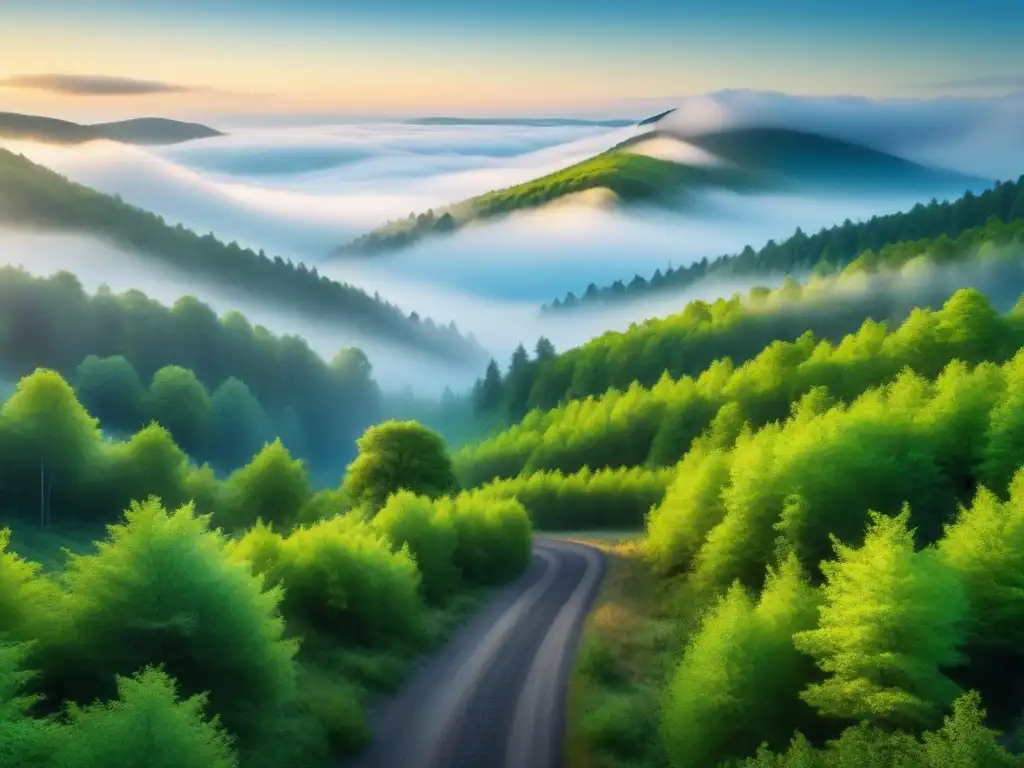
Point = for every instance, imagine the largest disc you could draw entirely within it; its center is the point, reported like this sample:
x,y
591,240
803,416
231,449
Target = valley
x,y
380,507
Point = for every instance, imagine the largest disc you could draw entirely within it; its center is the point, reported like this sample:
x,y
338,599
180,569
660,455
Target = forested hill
x,y
31,195
837,245
219,385
142,130
686,343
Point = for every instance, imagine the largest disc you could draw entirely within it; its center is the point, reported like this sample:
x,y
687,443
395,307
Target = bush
x,y
495,538
146,725
161,590
429,532
342,577
399,455
25,742
273,487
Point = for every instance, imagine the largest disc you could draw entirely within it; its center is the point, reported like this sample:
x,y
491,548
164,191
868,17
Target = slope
x,y
1004,201
739,159
143,130
624,399
31,195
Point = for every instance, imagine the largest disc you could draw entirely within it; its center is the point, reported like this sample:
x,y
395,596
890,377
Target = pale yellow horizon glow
x,y
257,72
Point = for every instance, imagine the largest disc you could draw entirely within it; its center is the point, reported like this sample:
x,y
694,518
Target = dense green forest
x,y
31,195
716,364
221,386
830,248
247,619
850,574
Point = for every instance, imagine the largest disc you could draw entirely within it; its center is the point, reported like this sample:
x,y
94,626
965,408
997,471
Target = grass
x,y
631,177
628,646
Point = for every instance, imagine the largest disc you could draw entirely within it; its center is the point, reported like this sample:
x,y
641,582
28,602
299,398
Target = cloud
x,y
980,83
94,85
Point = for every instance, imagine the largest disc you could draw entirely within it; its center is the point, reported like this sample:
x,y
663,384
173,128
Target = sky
x,y
105,59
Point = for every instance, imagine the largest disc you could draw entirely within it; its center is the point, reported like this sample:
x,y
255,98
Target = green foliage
x,y
985,547
738,681
428,531
161,590
181,404
893,618
627,175
962,742
618,499
45,431
891,235
319,408
399,455
237,424
657,425
35,196
494,537
341,576
273,487
110,389
25,742
28,599
146,723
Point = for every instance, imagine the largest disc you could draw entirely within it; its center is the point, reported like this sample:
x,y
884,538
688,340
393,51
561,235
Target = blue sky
x,y
473,56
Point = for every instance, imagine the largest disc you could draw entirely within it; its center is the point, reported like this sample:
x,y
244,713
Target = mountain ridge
x,y
32,195
139,130
751,158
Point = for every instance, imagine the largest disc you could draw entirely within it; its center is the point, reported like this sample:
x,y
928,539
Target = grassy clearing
x,y
627,649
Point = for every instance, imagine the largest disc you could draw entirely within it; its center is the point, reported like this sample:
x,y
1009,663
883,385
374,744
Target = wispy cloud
x,y
95,85
981,83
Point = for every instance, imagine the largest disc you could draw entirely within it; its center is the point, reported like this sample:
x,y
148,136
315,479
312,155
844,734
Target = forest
x,y
244,621
31,195
831,247
220,385
846,579
831,304
828,478
713,371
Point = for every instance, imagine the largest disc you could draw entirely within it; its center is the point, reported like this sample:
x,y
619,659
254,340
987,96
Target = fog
x,y
498,325
97,263
537,256
298,191
301,192
979,136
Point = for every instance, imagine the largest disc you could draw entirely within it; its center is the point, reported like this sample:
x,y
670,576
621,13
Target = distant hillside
x,y
533,122
143,130
630,177
824,250
659,166
31,195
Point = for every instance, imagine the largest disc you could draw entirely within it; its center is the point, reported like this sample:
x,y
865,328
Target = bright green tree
x,y
273,487
739,678
399,455
892,620
25,741
145,725
428,530
161,590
